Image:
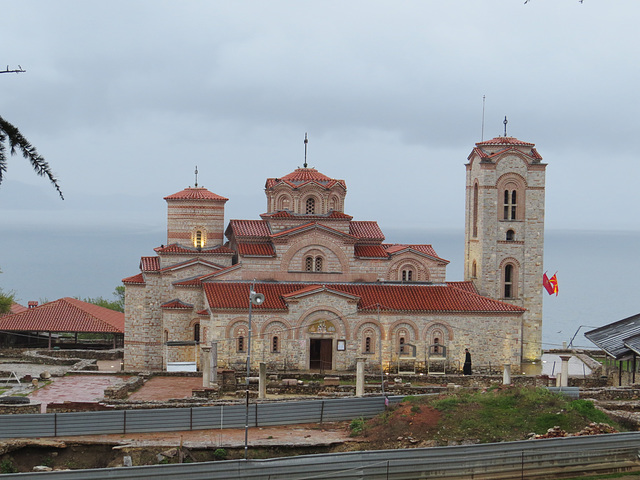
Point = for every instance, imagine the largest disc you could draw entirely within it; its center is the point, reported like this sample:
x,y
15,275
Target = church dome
x,y
197,193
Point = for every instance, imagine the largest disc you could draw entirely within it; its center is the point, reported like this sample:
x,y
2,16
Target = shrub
x,y
220,454
356,426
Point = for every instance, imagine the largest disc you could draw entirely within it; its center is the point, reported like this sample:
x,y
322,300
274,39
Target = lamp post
x,y
254,299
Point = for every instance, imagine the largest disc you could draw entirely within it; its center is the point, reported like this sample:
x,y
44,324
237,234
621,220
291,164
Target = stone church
x,y
333,289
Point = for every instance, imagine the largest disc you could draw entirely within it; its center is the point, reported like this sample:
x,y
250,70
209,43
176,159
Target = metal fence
x,y
510,460
195,418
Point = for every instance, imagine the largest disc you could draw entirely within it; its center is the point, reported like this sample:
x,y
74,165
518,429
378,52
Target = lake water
x,y
597,271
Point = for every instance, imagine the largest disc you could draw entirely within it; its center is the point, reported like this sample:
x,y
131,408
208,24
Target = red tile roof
x,y
302,176
197,281
134,280
17,308
191,261
467,286
505,141
370,251
333,214
198,193
150,264
366,230
249,228
405,297
65,315
175,248
176,304
533,153
308,226
396,248
256,249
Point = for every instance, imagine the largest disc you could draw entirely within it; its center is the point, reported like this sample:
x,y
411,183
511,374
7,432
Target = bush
x,y
220,454
356,426
7,466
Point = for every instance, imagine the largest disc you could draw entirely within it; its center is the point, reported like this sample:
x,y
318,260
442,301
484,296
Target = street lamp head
x,y
256,298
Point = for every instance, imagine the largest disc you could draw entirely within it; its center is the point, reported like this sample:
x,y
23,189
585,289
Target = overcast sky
x,y
124,99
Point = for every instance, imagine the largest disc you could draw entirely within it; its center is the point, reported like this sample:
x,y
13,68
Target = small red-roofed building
x,y
53,320
333,289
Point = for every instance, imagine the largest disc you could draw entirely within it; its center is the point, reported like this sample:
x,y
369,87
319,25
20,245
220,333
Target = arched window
x,y
508,281
474,270
166,336
367,345
511,235
198,241
401,342
275,344
475,210
436,345
196,332
240,345
407,275
510,204
313,264
311,206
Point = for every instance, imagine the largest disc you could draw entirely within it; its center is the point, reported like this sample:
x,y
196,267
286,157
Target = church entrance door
x,y
320,354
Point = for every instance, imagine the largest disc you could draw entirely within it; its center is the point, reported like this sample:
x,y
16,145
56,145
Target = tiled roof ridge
x,y
191,261
135,279
177,248
303,176
419,248
176,303
505,141
332,215
309,226
195,193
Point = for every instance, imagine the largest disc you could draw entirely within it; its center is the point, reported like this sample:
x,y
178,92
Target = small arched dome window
x,y
511,235
311,206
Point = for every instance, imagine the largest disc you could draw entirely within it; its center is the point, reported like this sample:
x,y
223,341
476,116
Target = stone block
x,y
331,381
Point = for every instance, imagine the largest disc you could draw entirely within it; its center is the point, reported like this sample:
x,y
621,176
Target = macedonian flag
x,y
550,284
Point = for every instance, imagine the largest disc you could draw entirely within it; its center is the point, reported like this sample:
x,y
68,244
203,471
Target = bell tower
x,y
504,229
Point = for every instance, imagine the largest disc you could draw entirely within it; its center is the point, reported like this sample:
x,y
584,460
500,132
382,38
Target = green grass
x,y
509,414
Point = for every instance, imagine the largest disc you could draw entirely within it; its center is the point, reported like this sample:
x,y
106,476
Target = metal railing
x,y
194,418
529,459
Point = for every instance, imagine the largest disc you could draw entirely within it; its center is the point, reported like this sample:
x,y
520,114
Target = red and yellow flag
x,y
550,284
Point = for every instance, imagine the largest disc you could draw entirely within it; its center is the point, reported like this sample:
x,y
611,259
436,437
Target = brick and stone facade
x,y
334,290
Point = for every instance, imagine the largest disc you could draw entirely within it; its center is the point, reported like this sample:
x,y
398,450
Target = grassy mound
x,y
495,415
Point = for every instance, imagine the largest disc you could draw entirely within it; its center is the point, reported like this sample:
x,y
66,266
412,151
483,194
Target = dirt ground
x,y
100,451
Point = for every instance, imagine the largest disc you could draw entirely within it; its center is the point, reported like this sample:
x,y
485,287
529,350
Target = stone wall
x,y
123,390
19,409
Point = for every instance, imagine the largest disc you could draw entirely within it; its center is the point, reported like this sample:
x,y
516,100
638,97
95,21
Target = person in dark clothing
x,y
466,369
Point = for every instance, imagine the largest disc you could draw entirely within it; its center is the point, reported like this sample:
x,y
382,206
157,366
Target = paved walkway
x,y
286,435
74,388
166,388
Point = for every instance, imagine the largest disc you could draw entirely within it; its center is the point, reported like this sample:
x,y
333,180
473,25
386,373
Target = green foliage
x,y
117,305
6,300
7,466
220,454
357,426
587,409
